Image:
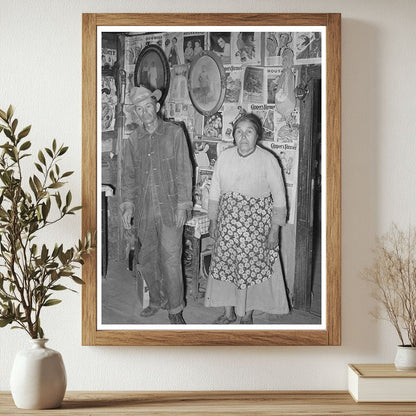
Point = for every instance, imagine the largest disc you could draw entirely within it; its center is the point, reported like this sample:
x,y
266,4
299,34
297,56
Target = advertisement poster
x,y
246,48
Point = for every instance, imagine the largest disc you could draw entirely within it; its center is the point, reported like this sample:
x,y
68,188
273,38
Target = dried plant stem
x,y
393,276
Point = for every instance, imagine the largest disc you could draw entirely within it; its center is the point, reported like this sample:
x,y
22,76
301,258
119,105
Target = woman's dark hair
x,y
254,120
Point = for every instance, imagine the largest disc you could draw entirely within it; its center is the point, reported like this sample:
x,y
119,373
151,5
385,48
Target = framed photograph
x,y
284,69
152,70
206,83
220,44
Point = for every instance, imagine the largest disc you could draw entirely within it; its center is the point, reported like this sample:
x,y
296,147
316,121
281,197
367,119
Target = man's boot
x,y
176,318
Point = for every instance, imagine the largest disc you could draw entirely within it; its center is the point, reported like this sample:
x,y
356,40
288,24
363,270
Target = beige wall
x,y
40,74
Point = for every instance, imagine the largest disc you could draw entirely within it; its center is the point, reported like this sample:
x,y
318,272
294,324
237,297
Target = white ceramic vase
x,y
38,377
405,358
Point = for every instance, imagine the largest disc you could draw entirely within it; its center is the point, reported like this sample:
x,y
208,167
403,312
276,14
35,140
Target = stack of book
x,y
381,383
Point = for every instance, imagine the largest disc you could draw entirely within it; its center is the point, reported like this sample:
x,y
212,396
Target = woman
x,y
247,206
197,48
189,52
173,56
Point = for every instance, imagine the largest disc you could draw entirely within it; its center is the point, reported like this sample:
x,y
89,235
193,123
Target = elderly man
x,y
157,191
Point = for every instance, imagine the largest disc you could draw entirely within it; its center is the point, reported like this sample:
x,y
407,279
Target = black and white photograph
x,y
173,46
246,48
308,47
220,44
276,45
193,45
152,68
233,83
254,85
206,83
202,229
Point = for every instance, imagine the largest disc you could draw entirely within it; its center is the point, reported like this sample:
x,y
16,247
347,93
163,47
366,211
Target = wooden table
x,y
318,403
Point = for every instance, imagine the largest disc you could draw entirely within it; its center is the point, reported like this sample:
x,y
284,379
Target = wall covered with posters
x,y
213,78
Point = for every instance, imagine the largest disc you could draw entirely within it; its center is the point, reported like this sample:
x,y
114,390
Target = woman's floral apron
x,y
240,255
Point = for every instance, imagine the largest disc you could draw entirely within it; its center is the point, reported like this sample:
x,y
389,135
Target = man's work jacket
x,y
165,154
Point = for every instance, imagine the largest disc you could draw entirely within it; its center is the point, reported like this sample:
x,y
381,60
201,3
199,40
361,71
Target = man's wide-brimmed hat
x,y
140,93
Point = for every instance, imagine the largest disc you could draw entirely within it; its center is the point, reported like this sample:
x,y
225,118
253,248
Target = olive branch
x,y
30,273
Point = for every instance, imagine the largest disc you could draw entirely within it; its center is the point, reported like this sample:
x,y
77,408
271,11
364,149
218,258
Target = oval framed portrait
x,y
152,70
206,83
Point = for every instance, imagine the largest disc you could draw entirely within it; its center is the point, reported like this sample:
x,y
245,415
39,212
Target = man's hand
x,y
127,216
273,237
213,232
181,218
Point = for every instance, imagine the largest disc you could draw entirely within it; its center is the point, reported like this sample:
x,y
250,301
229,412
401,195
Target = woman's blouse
x,y
257,175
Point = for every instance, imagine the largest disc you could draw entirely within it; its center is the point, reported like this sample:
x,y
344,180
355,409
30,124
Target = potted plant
x,y
393,277
31,273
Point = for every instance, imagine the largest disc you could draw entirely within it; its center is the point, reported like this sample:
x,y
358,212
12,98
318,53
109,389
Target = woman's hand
x,y
212,230
273,237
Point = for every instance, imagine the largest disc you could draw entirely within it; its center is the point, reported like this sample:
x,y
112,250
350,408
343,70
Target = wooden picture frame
x,y
152,63
330,333
206,68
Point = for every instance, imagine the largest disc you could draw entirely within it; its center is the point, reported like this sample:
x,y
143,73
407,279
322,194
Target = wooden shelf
x,y
179,403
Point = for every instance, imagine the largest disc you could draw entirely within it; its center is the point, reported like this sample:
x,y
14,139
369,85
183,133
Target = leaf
x,y
39,167
60,249
58,199
78,280
25,145
67,174
40,331
51,302
56,185
59,287
5,321
24,133
68,198
54,145
4,298
3,115
49,152
14,125
8,133
63,150
37,183
44,253
34,226
41,157
77,208
10,112
45,211
33,187
62,257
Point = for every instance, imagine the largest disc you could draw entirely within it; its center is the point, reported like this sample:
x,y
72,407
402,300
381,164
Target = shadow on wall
x,y
361,51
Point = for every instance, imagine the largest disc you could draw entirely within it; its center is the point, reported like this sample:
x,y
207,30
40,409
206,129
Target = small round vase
x,y
405,358
38,377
